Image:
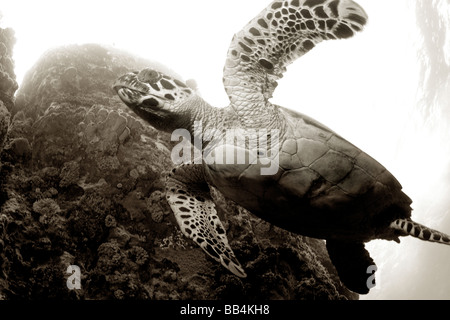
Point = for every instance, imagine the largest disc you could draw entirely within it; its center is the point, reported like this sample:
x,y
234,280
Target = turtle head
x,y
156,97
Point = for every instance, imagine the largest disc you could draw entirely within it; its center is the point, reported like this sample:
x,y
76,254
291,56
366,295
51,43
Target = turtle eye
x,y
149,75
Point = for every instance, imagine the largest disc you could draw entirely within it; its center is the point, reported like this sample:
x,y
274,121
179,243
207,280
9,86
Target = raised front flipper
x,y
281,33
352,262
189,197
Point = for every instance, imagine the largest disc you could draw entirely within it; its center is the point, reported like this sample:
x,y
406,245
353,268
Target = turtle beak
x,y
130,90
126,95
128,80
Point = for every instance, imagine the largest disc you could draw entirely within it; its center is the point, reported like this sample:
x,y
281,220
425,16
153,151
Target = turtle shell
x,y
323,187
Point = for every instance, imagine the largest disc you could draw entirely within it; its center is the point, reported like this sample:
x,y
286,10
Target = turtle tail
x,y
409,227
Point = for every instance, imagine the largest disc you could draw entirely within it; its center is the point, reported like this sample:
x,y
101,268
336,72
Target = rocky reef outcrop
x,y
8,84
82,183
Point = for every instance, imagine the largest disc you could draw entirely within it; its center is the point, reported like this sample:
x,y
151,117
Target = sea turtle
x,y
322,185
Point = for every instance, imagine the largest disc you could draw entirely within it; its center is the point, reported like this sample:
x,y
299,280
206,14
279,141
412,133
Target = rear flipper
x,y
408,227
188,195
352,262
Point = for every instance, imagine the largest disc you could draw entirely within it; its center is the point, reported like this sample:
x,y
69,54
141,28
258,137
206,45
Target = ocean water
x,y
413,269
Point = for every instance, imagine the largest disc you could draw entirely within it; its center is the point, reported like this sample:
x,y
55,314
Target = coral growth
x,y
4,123
8,84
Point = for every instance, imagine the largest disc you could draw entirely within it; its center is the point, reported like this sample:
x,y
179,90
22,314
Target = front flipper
x,y
352,262
281,33
188,195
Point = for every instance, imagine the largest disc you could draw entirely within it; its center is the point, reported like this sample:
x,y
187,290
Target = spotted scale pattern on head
x,y
150,88
188,196
281,33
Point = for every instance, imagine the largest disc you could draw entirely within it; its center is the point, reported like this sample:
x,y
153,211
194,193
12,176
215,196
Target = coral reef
x,y
82,183
4,123
8,84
